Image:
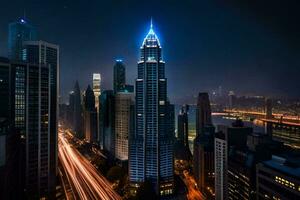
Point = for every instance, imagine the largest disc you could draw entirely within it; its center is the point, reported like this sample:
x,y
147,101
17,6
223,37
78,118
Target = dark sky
x,y
250,47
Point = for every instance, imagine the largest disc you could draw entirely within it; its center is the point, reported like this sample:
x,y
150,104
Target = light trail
x,y
82,175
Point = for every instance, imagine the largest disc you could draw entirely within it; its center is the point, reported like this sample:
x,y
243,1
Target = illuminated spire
x,y
151,38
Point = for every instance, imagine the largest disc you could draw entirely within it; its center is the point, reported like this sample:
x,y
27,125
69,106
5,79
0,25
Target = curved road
x,y
84,179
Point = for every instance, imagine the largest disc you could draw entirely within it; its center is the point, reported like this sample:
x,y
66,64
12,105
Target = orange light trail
x,y
84,179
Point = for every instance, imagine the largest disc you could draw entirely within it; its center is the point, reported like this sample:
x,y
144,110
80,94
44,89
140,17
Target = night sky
x,y
250,47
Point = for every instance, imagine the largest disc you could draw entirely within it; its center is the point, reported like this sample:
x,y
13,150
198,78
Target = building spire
x,y
151,24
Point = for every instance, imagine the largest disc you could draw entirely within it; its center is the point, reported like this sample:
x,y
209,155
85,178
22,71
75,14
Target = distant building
x,y
119,76
97,88
151,146
183,126
235,135
203,113
18,32
123,103
269,115
90,116
77,121
278,178
107,121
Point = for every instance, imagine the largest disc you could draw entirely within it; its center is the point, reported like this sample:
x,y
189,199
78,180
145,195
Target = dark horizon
x,y
251,48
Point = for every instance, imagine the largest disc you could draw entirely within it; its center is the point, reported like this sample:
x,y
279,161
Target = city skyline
x,y
201,103
234,43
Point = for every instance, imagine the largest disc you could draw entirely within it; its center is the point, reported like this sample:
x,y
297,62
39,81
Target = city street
x,y
83,177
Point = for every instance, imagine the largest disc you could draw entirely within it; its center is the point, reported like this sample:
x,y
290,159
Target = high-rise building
x,y
90,116
107,121
151,146
119,76
183,126
203,161
278,178
203,112
97,88
36,100
18,32
77,122
203,156
123,102
235,135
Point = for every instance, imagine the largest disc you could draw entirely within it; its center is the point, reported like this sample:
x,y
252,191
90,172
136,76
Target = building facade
x,y
151,149
119,76
18,32
123,103
36,110
90,116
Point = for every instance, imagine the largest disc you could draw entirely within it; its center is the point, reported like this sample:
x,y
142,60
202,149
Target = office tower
x,y
97,88
18,32
77,122
269,115
235,135
203,112
183,126
107,121
278,178
203,156
123,102
203,161
232,99
38,82
119,76
151,149
90,116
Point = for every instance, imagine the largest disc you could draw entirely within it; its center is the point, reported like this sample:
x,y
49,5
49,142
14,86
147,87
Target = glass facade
x,y
151,148
18,32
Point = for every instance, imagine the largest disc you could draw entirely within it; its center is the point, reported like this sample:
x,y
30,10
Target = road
x,y
85,181
193,192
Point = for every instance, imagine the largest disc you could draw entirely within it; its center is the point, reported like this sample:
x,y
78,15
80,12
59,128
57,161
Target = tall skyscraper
x,y
97,88
18,32
90,116
123,102
151,149
107,121
36,114
119,76
77,112
183,126
203,156
203,112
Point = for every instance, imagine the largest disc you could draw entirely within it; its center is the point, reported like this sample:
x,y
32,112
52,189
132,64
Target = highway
x,y
193,192
83,177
